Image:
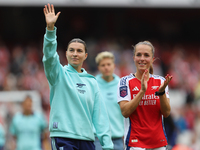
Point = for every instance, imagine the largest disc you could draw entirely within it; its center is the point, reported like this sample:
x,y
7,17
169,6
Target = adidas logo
x,y
135,89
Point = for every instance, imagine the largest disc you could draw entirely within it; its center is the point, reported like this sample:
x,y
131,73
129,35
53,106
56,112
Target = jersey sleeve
x,y
123,90
50,58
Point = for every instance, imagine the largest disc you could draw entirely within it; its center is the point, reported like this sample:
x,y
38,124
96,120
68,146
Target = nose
x,y
142,57
75,53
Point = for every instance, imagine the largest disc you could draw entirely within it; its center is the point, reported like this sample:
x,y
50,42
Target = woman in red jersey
x,y
144,101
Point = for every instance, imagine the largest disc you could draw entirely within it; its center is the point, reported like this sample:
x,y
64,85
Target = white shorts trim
x,y
138,148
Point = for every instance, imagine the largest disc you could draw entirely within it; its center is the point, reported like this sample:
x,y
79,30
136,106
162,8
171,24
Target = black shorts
x,y
58,143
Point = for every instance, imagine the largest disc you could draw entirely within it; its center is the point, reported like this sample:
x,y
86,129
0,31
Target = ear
x,y
86,55
66,53
98,67
134,58
153,59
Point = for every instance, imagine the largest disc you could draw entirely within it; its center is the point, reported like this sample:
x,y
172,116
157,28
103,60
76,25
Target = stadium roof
x,y
106,3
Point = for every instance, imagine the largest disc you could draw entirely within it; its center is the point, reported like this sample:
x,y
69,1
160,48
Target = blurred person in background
x,y
28,127
144,101
2,137
171,131
107,82
75,100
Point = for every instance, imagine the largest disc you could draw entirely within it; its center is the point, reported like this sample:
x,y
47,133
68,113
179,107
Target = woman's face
x,y
106,67
27,106
143,57
76,54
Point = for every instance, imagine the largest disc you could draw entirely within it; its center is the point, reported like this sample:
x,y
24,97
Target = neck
x,y
77,68
27,113
108,78
138,75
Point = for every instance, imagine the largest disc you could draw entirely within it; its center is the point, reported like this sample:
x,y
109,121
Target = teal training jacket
x,y
75,99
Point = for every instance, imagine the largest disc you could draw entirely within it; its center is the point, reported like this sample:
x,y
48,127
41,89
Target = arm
x,y
12,130
2,135
128,107
50,58
164,101
101,123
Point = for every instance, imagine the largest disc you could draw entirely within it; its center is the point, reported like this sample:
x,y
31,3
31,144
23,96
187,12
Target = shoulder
x,y
18,116
124,79
157,77
38,114
91,77
116,77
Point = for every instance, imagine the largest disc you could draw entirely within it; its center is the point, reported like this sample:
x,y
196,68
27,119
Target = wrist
x,y
157,93
142,91
50,27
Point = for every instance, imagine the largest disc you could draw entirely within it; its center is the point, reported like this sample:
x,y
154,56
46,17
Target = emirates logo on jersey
x,y
148,96
149,99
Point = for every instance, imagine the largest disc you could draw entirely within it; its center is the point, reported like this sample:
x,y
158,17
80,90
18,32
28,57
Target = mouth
x,y
74,59
141,64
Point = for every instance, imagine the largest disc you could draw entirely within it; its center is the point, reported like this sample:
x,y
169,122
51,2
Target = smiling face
x,y
76,55
106,67
143,57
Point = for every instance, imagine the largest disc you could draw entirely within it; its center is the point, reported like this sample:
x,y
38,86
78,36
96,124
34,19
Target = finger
x,y
170,78
52,8
166,76
49,8
57,15
45,9
143,76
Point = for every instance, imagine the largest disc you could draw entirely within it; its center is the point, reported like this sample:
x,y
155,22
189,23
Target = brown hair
x,y
77,40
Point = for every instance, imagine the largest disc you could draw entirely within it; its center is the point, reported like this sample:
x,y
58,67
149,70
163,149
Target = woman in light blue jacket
x,y
75,99
107,82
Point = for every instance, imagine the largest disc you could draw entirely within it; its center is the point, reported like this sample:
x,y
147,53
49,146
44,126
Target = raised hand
x,y
50,16
144,80
165,83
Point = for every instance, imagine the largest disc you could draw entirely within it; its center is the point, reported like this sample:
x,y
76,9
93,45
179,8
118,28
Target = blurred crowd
x,y
21,68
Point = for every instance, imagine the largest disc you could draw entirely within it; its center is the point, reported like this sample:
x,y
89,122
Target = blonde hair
x,y
103,55
152,48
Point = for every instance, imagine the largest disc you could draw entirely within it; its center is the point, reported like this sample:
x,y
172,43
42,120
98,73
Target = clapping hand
x,y
165,83
144,80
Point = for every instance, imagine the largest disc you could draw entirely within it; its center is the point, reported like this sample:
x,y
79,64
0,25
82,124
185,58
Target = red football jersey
x,y
144,127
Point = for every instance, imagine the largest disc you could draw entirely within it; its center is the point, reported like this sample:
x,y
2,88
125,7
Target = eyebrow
x,y
77,49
